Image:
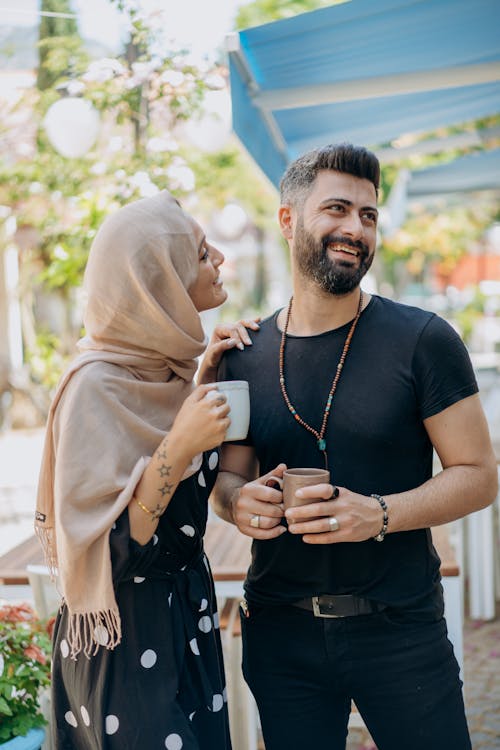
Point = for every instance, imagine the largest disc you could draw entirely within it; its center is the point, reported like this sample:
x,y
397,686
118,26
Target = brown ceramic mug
x,y
295,479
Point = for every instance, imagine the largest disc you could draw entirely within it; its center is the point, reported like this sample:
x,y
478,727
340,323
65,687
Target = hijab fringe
x,y
82,635
46,537
81,629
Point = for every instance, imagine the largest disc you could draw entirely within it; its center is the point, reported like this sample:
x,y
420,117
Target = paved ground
x,y
20,452
482,682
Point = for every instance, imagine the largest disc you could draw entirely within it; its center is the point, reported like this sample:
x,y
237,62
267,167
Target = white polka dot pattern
x,y
101,635
70,718
217,702
205,624
194,646
173,742
148,658
111,724
201,622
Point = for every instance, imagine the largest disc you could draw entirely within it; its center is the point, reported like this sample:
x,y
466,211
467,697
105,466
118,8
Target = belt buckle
x,y
317,610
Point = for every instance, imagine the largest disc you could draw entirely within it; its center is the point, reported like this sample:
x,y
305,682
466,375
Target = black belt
x,y
344,605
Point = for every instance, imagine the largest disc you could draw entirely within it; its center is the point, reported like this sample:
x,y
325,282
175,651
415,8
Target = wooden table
x,y
227,550
229,555
13,563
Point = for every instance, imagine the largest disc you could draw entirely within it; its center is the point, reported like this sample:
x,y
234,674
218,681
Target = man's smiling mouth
x,y
336,248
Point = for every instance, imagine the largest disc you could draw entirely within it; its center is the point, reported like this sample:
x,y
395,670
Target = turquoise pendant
x,y
322,444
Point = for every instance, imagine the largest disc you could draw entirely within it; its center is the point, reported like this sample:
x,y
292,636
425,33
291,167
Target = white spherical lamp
x,y
211,130
72,125
230,222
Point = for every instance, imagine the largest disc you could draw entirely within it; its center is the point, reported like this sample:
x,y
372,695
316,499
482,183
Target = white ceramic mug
x,y
238,398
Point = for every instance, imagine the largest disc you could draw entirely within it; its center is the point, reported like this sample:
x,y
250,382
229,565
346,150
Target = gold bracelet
x,y
155,514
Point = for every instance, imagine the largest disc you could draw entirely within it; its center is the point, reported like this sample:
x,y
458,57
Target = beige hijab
x,y
117,401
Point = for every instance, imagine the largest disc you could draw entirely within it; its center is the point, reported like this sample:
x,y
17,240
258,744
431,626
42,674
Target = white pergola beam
x,y
233,47
378,86
436,145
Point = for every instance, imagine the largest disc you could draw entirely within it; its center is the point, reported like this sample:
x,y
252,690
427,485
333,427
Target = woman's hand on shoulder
x,y
202,421
225,336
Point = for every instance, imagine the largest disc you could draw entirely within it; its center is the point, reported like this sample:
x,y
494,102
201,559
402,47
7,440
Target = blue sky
x,y
200,25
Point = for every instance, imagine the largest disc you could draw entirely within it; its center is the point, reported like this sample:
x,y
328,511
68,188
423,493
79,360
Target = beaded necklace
x,y
320,436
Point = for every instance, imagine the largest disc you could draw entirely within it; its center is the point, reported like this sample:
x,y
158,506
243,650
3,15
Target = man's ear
x,y
285,221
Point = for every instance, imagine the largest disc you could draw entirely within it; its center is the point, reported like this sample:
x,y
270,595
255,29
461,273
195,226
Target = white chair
x,y
45,594
243,714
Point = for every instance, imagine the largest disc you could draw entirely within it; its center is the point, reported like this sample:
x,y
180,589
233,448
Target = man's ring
x,y
333,523
255,522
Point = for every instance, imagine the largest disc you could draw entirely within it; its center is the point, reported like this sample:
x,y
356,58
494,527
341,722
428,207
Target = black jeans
x,y
402,675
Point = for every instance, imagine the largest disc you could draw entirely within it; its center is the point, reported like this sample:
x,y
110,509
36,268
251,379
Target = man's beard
x,y
333,276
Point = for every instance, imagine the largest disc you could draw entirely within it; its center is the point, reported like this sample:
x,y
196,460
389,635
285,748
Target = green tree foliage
x,y
431,242
59,44
265,11
57,203
230,175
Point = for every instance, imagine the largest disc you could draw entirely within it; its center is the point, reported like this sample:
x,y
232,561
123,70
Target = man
x,y
343,596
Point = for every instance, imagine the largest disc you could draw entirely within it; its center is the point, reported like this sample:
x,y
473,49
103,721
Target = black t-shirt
x,y
403,365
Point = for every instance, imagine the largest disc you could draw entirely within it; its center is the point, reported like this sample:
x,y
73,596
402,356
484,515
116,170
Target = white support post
x,y
480,567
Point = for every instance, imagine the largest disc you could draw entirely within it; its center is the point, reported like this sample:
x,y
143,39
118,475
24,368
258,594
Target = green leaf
x,y
4,707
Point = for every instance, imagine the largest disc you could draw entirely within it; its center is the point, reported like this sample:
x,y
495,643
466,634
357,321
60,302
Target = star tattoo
x,y
164,470
166,489
157,512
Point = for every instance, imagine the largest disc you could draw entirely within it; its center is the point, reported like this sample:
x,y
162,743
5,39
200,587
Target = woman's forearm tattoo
x,y
165,488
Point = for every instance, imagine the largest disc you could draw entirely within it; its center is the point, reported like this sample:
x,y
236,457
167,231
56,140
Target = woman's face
x,y
207,291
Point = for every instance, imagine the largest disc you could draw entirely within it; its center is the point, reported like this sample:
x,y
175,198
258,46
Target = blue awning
x,y
469,173
365,72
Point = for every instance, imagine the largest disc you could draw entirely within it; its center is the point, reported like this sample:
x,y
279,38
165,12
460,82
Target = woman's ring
x,y
333,523
255,522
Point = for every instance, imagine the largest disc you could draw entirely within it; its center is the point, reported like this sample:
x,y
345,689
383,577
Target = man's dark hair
x,y
340,157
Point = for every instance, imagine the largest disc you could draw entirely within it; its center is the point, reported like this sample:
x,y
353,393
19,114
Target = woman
x,y
129,461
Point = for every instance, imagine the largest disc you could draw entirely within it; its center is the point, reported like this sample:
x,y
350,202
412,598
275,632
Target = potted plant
x,y
25,648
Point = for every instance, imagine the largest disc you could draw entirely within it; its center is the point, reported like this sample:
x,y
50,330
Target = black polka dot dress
x,y
163,687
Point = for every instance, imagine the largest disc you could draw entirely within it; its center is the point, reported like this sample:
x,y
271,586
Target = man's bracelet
x,y
381,535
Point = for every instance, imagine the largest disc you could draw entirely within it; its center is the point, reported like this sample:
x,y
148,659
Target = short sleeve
x,y
442,369
224,369
128,557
